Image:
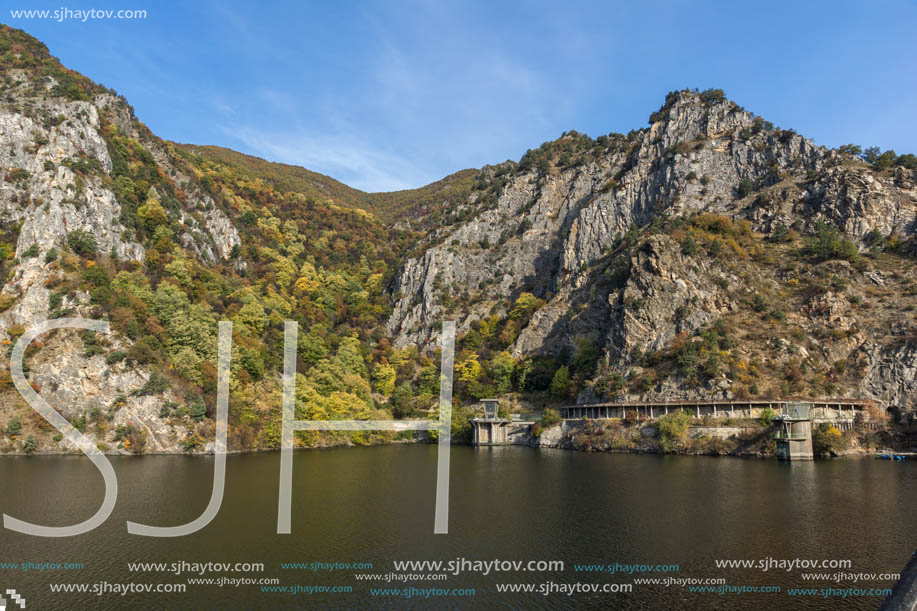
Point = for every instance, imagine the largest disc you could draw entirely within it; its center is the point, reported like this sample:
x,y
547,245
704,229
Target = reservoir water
x,y
375,506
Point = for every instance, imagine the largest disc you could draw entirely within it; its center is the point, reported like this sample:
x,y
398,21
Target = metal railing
x,y
798,410
789,437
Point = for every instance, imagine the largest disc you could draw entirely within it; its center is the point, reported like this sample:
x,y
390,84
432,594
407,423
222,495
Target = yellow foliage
x,y
374,282
284,272
304,285
152,214
469,370
278,303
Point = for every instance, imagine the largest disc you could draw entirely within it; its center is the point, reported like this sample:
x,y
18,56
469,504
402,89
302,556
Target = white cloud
x,y
356,163
435,94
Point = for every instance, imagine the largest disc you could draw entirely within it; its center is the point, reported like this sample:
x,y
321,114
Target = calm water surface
x,y
375,505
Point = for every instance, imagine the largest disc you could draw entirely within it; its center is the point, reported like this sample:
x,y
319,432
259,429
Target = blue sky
x,y
390,95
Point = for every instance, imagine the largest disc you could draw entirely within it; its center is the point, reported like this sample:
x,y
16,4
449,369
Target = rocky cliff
x,y
57,182
638,243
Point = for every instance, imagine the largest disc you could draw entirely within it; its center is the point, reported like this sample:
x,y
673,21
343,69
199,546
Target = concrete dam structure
x,y
794,434
492,430
794,419
822,409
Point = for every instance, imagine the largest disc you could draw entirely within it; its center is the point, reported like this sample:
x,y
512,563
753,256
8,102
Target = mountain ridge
x,y
707,255
291,177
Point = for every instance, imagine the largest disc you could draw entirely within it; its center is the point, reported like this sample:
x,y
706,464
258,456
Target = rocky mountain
x,y
707,255
638,244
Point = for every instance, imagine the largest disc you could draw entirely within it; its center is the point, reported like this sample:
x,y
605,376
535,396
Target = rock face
x,y
548,229
56,181
691,160
48,202
858,201
79,386
665,281
890,373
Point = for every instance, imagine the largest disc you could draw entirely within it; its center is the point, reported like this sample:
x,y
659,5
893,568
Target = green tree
x,y
252,361
428,379
162,239
585,356
673,430
198,408
745,187
549,417
688,245
560,383
154,386
827,440
384,376
14,426
525,306
886,160
827,243
501,369
469,370
688,359
187,364
312,347
908,161
82,242
195,328
152,215
30,445
711,96
401,400
851,149
871,154
182,271
712,365
252,315
349,358
522,373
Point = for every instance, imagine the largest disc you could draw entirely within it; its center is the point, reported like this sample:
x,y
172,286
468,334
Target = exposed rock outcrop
x,y
56,179
559,229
